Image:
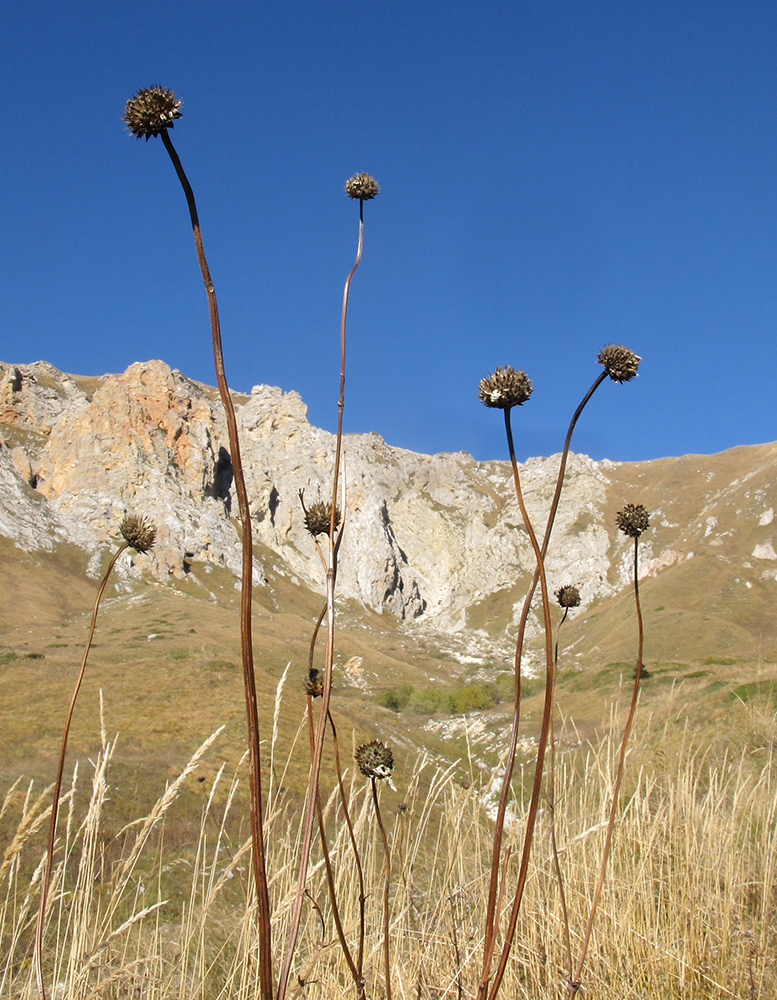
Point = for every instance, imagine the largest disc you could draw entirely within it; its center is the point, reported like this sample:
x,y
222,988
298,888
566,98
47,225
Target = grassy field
x,y
688,908
152,895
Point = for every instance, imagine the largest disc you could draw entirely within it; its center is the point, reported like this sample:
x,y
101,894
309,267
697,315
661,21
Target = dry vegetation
x,y
688,909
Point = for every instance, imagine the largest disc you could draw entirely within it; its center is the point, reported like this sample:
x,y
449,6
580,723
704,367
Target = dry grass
x,y
689,907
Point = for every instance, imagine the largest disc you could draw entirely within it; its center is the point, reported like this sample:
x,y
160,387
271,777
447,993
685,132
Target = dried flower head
x,y
568,597
314,685
137,532
151,111
375,760
505,388
619,362
318,517
633,519
361,186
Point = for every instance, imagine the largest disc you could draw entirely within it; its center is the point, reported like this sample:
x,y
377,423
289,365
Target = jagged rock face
x,y
424,535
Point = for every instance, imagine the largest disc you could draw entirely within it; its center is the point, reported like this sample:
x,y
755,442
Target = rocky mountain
x,y
435,540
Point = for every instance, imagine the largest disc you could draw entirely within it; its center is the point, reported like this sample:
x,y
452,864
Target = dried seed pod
x,y
137,532
314,685
506,388
568,597
375,760
619,362
151,111
362,187
318,517
633,519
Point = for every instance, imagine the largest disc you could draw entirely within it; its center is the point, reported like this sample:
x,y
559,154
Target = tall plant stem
x,y
574,982
386,887
491,905
331,578
246,640
46,880
531,817
552,811
357,856
330,876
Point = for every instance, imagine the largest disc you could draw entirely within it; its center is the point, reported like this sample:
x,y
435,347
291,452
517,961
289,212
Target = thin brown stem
x,y
246,639
574,983
552,811
490,928
331,577
46,880
330,876
355,848
386,887
531,817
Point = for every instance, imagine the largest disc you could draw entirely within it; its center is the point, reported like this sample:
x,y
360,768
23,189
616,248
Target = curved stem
x,y
331,577
491,905
46,880
531,817
246,640
574,982
330,876
357,856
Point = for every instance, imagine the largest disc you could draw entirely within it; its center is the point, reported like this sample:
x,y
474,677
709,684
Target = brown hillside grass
x,y
689,907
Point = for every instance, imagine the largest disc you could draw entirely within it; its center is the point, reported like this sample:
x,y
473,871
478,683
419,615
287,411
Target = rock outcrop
x,y
433,537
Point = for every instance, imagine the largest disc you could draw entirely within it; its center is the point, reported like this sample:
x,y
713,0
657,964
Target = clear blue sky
x,y
554,176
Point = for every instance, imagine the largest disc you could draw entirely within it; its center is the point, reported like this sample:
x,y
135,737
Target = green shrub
x,y
395,698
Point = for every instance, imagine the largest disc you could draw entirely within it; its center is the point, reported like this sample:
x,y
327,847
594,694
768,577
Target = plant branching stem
x,y
46,880
531,817
330,876
246,640
331,577
357,856
491,905
574,983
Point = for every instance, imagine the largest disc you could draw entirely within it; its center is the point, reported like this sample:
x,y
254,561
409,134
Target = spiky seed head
x,y
505,388
318,517
375,760
362,187
137,532
633,519
568,597
619,362
151,111
314,685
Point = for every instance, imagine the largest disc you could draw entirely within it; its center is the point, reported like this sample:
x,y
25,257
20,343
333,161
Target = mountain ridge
x,y
432,539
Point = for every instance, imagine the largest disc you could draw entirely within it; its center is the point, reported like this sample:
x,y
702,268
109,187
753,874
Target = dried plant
x,y
505,388
633,520
138,534
376,762
149,113
363,188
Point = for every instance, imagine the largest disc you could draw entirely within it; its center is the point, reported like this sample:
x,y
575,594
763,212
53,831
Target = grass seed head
x,y
362,187
505,388
619,362
568,597
318,517
633,519
137,532
151,111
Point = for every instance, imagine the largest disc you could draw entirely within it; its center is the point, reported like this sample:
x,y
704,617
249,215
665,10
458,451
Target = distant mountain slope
x,y
437,540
